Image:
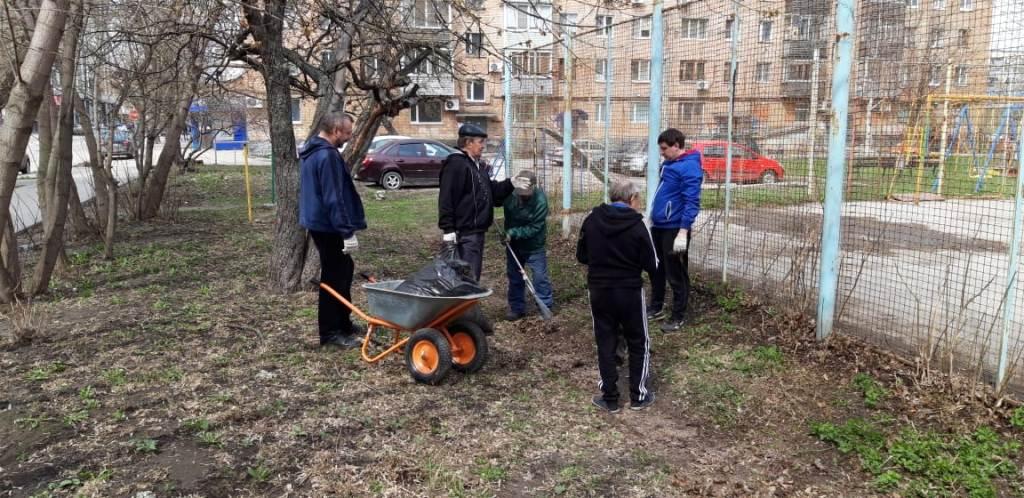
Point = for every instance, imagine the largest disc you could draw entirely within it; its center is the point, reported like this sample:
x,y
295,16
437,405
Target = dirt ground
x,y
173,371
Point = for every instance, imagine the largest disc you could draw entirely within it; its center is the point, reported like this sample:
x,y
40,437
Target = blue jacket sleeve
x,y
691,181
331,187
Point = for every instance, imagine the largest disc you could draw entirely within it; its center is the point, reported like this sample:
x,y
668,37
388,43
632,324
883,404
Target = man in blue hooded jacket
x,y
330,208
676,206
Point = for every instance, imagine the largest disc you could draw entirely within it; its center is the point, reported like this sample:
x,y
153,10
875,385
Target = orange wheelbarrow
x,y
435,331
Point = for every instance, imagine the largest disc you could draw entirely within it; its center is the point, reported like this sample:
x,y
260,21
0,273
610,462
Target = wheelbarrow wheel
x,y
477,316
469,348
428,356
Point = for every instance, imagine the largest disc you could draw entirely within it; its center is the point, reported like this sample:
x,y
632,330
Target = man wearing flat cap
x,y
468,197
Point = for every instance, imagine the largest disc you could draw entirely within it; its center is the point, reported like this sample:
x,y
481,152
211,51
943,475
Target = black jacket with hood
x,y
616,246
468,196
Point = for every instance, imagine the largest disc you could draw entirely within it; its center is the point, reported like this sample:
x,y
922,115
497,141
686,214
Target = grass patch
x,y
721,400
873,392
916,463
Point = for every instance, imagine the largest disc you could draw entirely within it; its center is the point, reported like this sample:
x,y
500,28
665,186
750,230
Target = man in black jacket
x,y
468,197
616,246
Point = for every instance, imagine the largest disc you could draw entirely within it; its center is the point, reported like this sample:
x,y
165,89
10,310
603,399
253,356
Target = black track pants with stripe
x,y
624,310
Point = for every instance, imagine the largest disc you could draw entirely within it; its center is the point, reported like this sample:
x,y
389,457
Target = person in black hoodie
x,y
468,197
617,247
330,208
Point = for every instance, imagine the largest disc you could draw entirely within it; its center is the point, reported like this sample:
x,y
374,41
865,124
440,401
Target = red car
x,y
747,165
404,162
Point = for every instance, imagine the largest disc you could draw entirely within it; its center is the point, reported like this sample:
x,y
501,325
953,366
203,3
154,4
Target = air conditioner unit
x,y
639,2
494,67
451,105
703,85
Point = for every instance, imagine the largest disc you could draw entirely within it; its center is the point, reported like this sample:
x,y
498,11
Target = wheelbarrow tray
x,y
410,311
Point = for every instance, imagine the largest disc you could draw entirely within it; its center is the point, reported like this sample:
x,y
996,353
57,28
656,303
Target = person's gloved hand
x,y
679,245
351,245
449,238
521,183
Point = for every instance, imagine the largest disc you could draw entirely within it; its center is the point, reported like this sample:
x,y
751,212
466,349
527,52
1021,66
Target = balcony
x,y
532,86
434,85
799,49
802,89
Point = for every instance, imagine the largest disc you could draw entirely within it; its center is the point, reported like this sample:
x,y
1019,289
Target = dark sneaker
x,y
673,325
512,316
342,341
655,313
604,405
642,405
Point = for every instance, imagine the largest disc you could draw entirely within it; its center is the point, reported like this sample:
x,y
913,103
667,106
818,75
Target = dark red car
x,y
404,162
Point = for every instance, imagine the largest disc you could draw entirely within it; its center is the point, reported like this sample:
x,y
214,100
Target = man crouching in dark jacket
x,y
330,208
616,246
468,197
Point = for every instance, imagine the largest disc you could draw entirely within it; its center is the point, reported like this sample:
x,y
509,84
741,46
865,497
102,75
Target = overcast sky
x,y
1008,25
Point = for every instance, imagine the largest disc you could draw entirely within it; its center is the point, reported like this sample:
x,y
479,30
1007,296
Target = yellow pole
x,y
248,184
925,131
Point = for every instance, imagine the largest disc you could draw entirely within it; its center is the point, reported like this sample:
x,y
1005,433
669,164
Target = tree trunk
x,y
80,224
289,249
153,190
57,211
9,253
389,126
21,110
99,181
45,149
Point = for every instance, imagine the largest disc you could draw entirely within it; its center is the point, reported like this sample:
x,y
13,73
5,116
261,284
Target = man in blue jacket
x,y
676,206
330,208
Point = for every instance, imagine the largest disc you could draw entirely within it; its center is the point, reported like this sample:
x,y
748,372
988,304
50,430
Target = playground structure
x,y
975,136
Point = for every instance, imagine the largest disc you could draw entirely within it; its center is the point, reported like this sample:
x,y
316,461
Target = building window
x,y
802,112
296,110
640,70
429,13
763,72
695,29
435,64
475,44
727,73
567,23
910,37
801,27
639,112
765,32
601,70
800,71
961,76
913,4
936,38
964,39
527,17
475,91
966,4
728,27
531,63
936,75
691,70
939,4
601,113
428,112
605,22
642,28
691,113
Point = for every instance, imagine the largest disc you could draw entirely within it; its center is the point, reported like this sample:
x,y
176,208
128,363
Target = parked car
x,y
592,150
404,162
747,165
378,141
123,146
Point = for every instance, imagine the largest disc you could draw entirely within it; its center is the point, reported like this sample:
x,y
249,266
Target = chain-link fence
x,y
928,253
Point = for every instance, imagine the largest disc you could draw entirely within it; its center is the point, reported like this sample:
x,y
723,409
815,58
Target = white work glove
x,y
521,183
679,246
449,238
351,245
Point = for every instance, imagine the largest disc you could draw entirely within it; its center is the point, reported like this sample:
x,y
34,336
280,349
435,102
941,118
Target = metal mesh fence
x,y
927,263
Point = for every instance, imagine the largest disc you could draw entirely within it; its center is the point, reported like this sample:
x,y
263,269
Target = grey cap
x,y
529,175
471,130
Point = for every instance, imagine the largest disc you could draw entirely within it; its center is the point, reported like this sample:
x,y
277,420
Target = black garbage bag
x,y
445,276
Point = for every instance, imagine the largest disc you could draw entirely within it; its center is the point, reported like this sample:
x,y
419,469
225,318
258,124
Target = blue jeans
x,y
537,264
